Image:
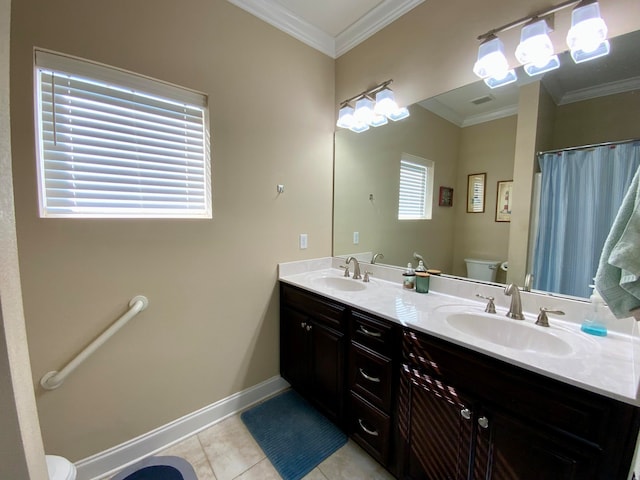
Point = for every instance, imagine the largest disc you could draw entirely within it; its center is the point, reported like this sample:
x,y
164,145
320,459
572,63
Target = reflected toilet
x,y
479,269
60,468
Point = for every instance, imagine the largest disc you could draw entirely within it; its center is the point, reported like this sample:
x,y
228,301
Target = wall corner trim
x,y
108,462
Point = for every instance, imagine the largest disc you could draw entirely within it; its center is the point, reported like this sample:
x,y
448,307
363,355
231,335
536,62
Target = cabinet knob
x,y
483,422
366,430
465,413
303,324
309,327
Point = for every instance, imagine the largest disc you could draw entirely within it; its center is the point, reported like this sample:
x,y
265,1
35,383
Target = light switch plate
x,y
303,241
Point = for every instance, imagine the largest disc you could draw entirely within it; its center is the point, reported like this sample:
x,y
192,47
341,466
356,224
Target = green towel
x,y
618,276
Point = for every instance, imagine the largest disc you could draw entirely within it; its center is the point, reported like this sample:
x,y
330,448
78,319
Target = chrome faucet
x,y
376,256
356,268
515,310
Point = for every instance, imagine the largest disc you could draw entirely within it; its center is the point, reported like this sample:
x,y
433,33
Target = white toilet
x,y
60,468
478,269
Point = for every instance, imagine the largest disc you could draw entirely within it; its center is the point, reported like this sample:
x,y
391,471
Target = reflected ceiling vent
x,y
483,99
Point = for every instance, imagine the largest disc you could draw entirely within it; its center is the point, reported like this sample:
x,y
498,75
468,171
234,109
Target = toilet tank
x,y
479,269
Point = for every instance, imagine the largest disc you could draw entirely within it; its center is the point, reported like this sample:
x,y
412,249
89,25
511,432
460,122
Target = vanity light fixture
x,y
587,39
369,113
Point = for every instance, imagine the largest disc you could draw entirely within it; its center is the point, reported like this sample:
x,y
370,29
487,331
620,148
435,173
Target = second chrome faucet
x,y
515,309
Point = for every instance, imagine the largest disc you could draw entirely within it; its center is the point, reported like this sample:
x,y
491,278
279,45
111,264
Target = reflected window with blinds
x,y
115,144
476,192
416,188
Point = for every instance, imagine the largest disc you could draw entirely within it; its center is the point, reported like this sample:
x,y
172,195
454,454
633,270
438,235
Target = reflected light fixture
x,y
535,50
369,113
587,39
492,65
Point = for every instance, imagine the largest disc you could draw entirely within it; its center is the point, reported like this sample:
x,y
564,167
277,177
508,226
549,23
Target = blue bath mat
x,y
294,435
158,468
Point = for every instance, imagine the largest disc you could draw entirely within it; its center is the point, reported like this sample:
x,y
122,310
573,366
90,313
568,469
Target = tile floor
x,y
227,451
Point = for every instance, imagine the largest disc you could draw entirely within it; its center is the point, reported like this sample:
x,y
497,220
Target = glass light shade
x,y
385,103
378,121
399,114
345,117
359,127
587,37
364,110
535,46
491,60
553,62
495,82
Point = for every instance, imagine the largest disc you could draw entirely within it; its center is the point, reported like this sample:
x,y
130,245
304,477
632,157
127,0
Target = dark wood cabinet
x,y
460,420
313,349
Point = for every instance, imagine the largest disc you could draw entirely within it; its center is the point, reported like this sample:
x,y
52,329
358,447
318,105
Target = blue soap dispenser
x,y
595,322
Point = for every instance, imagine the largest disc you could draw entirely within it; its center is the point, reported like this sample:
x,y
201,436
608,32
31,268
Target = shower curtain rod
x,y
585,147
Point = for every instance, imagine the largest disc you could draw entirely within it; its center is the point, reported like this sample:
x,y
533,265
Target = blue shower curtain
x,y
581,192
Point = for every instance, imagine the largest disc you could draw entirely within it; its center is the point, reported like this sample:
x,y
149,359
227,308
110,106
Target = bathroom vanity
x,y
428,401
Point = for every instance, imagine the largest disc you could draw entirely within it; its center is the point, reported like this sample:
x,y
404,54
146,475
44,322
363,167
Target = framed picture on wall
x,y
504,198
475,192
446,197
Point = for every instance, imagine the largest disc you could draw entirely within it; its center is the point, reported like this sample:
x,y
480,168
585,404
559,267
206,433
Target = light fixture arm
x,y
524,20
367,93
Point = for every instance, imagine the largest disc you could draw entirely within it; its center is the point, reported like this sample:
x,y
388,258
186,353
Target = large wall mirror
x,y
469,131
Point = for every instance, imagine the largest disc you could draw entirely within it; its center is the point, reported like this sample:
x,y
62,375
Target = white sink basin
x,y
515,334
341,283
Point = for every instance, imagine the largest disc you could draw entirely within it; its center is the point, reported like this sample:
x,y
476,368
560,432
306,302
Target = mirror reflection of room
x,y
476,129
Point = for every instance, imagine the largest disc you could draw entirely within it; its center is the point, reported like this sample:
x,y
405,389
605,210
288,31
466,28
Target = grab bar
x,y
52,380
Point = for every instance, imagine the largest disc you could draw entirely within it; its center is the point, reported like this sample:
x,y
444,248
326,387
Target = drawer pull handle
x,y
368,377
373,433
369,332
483,422
465,413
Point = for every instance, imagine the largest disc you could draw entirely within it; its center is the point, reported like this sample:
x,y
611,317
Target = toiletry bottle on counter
x,y
420,267
422,281
595,323
409,277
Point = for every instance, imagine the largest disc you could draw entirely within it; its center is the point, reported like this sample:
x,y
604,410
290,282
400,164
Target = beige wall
x,y
21,450
211,329
484,148
369,163
603,119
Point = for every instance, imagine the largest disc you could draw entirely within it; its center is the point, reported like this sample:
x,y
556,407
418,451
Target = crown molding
x,y
276,15
602,90
487,117
374,21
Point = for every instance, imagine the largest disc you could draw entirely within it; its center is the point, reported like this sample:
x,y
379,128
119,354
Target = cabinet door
x,y
327,369
438,433
510,449
294,348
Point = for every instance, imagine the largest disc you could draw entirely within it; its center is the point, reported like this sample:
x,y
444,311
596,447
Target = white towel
x,y
618,276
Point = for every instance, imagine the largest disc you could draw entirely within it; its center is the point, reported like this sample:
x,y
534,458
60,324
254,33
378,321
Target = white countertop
x,y
604,365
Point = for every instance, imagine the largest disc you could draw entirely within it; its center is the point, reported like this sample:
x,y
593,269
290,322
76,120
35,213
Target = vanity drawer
x,y
370,375
377,334
333,314
370,427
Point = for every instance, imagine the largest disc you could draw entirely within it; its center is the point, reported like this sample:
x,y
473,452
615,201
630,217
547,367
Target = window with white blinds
x,y
416,188
115,144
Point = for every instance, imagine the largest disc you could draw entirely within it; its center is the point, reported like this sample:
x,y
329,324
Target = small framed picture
x,y
475,192
504,198
446,197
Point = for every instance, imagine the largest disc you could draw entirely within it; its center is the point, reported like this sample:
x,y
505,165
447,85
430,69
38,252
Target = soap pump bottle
x,y
595,323
409,278
421,267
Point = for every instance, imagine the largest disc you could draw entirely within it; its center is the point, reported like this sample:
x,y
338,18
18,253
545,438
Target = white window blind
x,y
116,144
416,185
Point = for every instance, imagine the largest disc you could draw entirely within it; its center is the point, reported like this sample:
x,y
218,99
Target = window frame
x,y
115,79
428,167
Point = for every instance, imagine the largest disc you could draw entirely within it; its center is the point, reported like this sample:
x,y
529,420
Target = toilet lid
x,y
60,468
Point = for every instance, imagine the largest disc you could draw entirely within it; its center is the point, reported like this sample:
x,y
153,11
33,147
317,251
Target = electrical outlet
x,y
303,241
356,238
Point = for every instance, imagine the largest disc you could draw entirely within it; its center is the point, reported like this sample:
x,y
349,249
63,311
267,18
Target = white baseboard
x,y
114,459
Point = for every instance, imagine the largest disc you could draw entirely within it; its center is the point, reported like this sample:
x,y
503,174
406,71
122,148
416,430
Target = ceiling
x,y
331,26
